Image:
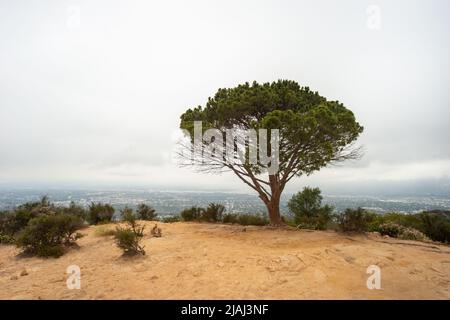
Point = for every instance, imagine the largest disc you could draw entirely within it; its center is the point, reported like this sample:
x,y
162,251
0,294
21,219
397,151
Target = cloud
x,y
100,102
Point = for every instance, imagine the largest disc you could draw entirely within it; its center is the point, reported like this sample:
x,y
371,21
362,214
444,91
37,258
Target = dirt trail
x,y
209,261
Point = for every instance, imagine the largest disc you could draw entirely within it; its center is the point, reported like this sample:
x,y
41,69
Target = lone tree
x,y
312,133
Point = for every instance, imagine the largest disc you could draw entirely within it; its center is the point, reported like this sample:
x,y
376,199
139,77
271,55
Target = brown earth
x,y
214,261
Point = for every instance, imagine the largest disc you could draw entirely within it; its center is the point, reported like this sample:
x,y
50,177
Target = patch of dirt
x,y
215,261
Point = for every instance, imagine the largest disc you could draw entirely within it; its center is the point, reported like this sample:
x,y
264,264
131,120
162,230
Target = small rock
x,y
24,273
349,259
154,278
271,268
14,278
197,274
220,264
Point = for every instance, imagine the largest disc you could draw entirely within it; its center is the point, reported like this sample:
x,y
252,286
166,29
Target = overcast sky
x,y
91,91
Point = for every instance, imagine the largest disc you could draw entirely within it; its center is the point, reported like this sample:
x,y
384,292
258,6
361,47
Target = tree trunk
x,y
273,207
273,203
274,214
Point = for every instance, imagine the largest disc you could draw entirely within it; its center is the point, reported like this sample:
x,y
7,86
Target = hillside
x,y
213,261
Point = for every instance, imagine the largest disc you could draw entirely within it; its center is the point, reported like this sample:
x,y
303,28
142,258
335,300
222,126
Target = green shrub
x,y
46,235
412,234
19,218
6,239
319,221
355,220
6,227
170,219
230,218
192,214
11,223
76,210
145,212
127,214
246,219
406,220
213,213
42,206
306,206
390,229
128,238
128,241
435,225
252,220
398,231
100,213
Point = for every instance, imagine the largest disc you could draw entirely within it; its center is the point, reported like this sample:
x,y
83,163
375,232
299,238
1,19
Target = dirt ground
x,y
214,261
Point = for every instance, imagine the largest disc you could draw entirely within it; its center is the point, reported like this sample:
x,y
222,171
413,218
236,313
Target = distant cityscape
x,y
172,202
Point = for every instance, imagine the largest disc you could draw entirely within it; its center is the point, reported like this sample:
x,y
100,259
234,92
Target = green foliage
x,y
14,221
8,227
192,214
76,210
407,220
412,234
100,213
398,231
43,204
213,213
230,218
170,219
306,120
245,219
355,220
435,225
419,226
390,229
308,211
128,238
127,215
6,239
145,212
46,235
129,241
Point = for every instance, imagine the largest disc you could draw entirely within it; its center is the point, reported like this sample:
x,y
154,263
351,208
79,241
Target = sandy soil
x,y
209,261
